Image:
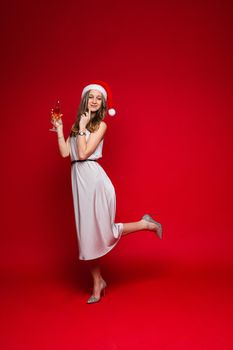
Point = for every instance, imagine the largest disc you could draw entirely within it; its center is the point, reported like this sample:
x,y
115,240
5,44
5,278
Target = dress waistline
x,y
82,160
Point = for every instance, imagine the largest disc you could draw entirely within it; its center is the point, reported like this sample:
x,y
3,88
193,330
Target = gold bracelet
x,y
60,137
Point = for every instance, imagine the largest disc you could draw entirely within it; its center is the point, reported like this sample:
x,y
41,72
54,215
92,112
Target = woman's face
x,y
94,100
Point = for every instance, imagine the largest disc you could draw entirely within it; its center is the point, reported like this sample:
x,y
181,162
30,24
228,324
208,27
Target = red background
x,y
168,151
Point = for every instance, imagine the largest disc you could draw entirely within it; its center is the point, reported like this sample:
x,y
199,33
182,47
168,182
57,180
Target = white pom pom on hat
x,y
111,112
106,92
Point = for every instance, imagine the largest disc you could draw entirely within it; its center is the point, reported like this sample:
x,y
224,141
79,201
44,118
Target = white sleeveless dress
x,y
94,205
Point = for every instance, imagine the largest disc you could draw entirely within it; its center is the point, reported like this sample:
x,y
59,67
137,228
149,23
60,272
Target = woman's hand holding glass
x,y
56,120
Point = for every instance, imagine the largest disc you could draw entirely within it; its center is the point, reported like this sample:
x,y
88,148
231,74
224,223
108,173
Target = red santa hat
x,y
106,92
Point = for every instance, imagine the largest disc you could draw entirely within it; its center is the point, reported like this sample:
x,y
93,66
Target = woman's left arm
x,y
86,148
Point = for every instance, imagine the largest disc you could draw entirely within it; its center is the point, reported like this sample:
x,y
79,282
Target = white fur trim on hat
x,y
95,87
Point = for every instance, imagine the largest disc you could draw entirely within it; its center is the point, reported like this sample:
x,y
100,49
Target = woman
x,y
93,192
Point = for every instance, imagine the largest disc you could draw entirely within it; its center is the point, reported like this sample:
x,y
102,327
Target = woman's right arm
x,y
64,146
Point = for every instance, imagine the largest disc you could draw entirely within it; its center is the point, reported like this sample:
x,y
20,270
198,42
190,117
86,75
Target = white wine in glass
x,y
56,114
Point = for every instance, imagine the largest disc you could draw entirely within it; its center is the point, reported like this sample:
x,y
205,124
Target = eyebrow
x,y
93,95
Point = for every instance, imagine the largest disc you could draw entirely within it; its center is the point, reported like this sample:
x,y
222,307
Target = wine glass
x,y
56,114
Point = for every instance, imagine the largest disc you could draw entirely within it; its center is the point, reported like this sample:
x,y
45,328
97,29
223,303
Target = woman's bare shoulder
x,y
103,125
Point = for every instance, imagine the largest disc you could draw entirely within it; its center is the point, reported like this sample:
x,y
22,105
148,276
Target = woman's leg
x,y
94,266
140,225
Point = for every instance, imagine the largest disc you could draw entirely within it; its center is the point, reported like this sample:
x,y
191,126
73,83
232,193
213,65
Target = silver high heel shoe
x,y
159,231
93,299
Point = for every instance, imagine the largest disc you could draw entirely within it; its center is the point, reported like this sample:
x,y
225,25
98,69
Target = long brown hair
x,y
94,123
